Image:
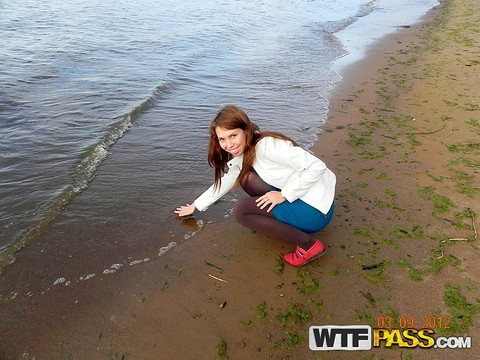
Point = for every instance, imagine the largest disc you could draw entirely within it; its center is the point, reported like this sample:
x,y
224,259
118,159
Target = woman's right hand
x,y
185,210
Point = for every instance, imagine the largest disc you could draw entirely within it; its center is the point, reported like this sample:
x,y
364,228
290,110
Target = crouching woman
x,y
291,191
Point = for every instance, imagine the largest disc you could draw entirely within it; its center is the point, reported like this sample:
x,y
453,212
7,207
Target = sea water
x,y
105,106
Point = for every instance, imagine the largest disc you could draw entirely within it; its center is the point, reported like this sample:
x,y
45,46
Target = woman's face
x,y
232,141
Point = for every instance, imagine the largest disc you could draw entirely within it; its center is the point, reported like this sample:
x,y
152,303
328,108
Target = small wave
x,y
44,77
367,8
336,26
84,172
96,154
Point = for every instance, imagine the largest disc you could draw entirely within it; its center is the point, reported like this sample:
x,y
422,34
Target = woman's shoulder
x,y
270,140
272,146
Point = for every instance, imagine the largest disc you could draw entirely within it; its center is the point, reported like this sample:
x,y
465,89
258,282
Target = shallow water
x,y
104,108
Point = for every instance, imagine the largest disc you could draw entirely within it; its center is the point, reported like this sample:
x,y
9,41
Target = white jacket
x,y
298,173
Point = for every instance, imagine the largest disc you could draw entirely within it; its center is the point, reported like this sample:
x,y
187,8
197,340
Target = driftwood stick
x,y
426,133
216,278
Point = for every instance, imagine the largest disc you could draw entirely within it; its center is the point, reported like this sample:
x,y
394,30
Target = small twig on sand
x,y
214,266
390,137
180,271
462,239
368,296
426,133
473,226
216,278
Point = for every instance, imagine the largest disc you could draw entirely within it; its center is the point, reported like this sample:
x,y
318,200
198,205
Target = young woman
x,y
291,191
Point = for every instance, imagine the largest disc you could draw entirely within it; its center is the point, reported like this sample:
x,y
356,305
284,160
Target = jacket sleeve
x,y
305,168
211,194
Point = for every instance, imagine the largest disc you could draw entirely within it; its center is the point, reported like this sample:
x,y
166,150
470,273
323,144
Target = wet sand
x,y
402,137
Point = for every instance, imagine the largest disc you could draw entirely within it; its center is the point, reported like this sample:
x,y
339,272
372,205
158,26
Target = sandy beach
x,y
402,137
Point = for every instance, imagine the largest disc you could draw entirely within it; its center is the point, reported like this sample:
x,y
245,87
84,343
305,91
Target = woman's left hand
x,y
271,198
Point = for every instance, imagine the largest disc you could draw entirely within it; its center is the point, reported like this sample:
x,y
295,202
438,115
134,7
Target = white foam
x,y
59,281
193,233
113,268
163,250
388,17
87,277
136,262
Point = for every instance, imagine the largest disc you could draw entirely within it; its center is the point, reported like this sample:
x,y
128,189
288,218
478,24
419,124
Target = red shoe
x,y
300,257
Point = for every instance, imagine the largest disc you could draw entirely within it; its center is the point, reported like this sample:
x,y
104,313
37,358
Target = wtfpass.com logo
x,y
363,337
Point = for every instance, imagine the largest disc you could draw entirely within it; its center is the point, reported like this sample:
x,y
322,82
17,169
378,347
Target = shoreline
x,y
68,199
224,293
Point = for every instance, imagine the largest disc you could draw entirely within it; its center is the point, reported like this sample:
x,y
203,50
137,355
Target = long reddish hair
x,y
232,117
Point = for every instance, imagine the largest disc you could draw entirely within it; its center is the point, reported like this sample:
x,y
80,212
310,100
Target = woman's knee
x,y
244,207
239,210
254,185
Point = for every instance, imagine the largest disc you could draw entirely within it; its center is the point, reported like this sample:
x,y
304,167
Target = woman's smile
x,y
232,141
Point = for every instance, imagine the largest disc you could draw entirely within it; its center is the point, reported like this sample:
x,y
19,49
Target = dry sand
x,y
402,137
